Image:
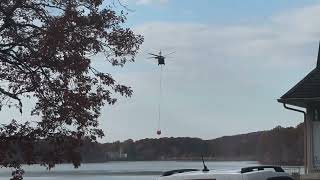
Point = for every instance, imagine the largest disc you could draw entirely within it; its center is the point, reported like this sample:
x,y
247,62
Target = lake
x,y
144,170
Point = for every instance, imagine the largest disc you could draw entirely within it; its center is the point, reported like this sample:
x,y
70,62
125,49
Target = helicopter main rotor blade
x,y
151,57
153,54
169,53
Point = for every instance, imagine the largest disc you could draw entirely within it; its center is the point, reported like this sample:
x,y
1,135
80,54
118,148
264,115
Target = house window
x,y
316,115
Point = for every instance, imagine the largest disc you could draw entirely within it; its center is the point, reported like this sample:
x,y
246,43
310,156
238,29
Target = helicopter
x,y
161,58
161,62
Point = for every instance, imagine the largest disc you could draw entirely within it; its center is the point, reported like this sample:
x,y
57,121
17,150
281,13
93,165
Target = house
x,y
305,98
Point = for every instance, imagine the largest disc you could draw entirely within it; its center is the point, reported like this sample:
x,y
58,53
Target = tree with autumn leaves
x,y
46,55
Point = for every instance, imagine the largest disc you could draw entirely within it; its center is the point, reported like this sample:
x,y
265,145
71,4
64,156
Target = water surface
x,y
145,170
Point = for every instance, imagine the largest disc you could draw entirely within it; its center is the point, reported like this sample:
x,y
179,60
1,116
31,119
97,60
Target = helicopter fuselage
x,y
160,60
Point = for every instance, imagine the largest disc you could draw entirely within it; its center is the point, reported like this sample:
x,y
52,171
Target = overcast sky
x,y
233,60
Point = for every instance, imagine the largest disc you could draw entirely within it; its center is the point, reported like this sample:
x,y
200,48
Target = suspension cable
x,y
160,97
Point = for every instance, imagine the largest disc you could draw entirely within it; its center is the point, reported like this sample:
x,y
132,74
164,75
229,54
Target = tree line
x,y
283,146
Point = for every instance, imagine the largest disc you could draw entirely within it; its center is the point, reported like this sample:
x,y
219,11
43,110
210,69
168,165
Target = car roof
x,y
247,171
223,172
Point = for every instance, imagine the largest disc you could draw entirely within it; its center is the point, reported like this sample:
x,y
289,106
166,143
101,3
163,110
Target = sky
x,y
232,61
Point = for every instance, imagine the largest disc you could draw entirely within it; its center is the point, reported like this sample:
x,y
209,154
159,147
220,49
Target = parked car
x,y
247,173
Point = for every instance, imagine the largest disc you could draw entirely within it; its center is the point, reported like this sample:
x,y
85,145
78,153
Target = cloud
x,y
225,75
222,80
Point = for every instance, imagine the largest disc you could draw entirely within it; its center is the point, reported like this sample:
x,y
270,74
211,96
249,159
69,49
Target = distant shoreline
x,y
206,160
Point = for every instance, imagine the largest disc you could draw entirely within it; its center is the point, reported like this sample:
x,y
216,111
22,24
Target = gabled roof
x,y
306,91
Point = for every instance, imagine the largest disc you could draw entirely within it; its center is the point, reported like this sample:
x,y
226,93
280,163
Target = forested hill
x,y
277,146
